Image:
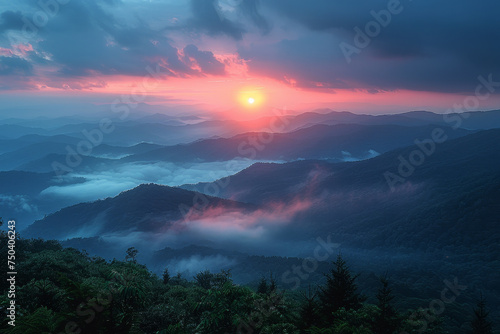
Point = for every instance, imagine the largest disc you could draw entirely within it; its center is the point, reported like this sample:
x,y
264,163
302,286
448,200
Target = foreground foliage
x,y
63,290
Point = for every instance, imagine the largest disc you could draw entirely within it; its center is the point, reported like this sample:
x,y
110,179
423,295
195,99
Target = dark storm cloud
x,y
208,18
431,46
307,61
84,38
15,66
18,71
205,59
316,62
88,38
251,8
10,20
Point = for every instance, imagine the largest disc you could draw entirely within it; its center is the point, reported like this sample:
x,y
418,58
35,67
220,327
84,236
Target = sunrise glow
x,y
248,69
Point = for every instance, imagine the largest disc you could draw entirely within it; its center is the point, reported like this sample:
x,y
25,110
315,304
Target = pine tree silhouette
x,y
166,276
480,323
340,290
308,310
262,288
387,320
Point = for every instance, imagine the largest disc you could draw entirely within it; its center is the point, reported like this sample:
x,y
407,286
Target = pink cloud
x,y
6,52
237,221
222,220
23,49
20,50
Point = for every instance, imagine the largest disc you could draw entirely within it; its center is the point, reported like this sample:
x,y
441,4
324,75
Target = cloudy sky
x,y
364,56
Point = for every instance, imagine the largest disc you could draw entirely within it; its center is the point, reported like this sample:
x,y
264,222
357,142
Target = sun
x,y
251,98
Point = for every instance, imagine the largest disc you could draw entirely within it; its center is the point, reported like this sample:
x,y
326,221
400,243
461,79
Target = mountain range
x,y
412,189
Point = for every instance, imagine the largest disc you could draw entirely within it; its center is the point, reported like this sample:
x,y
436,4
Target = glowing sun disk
x,y
251,98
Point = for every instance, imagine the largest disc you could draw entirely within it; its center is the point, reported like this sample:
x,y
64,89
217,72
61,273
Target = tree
x,y
266,289
128,294
262,288
166,276
226,310
308,313
480,323
273,286
220,279
386,320
131,254
340,290
43,320
204,279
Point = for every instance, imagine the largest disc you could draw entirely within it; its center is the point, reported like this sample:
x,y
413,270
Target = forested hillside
x,y
63,290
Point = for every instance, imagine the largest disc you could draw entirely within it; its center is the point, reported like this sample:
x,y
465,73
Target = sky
x,y
244,57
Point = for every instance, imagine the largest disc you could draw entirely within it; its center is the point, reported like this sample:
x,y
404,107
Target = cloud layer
x,y
111,182
422,45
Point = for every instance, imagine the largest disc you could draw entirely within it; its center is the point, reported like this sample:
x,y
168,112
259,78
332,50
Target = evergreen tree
x,y
480,323
262,287
340,290
387,320
265,288
166,276
273,287
308,311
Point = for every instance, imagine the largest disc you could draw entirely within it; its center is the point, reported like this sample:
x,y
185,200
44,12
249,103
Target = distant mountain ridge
x,y
338,142
456,178
460,170
147,208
